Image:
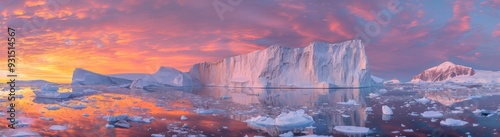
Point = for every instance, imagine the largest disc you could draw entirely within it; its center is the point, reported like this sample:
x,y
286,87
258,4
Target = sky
x,y
402,38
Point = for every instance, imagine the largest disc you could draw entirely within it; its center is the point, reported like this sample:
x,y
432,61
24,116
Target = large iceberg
x,y
85,77
318,65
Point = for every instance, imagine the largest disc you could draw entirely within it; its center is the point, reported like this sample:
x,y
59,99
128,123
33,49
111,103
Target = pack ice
x,y
318,65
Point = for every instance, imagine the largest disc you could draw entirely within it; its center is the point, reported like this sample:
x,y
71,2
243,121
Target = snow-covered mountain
x,y
85,77
449,72
318,65
442,72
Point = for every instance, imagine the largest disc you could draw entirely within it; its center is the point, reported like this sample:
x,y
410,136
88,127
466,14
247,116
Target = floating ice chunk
x,y
225,97
122,124
73,105
395,132
453,122
423,100
386,110
368,109
85,114
346,116
414,114
457,111
373,95
58,127
208,111
183,117
352,129
157,135
109,126
432,114
408,130
52,107
287,134
475,125
47,118
350,102
284,121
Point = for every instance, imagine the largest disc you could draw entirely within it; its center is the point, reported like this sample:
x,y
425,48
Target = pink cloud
x,y
496,31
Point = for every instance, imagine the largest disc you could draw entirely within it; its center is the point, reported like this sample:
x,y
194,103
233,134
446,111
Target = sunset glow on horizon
x,y
110,37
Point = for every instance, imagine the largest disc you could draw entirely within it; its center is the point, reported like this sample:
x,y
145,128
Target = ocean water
x,y
164,107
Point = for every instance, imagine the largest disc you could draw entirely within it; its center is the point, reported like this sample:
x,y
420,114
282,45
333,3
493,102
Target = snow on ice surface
x,y
352,129
314,66
432,114
453,122
284,121
386,110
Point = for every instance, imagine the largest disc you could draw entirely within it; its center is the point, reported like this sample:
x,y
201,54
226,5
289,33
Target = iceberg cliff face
x,y
85,77
318,65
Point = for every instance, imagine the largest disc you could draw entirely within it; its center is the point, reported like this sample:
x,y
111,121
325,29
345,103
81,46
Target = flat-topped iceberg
x,y
283,122
318,65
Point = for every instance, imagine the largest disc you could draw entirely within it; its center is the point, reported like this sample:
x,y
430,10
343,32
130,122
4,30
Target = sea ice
x,y
423,100
284,121
122,124
368,109
52,107
373,95
183,117
157,135
352,129
386,110
58,127
432,114
350,102
287,134
208,111
453,122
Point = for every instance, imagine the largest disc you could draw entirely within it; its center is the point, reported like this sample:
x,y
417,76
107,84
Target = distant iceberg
x,y
85,77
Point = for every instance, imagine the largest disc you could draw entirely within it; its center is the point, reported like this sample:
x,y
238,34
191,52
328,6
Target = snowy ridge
x,y
318,65
85,77
442,72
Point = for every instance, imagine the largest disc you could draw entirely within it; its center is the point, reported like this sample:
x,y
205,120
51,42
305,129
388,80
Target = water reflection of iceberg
x,y
314,99
52,94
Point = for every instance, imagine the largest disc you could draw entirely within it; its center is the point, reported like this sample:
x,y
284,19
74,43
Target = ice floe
x,y
350,102
432,114
283,122
352,129
58,127
453,122
386,110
